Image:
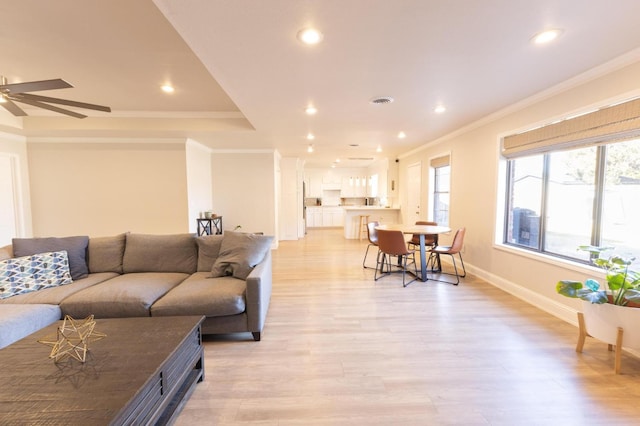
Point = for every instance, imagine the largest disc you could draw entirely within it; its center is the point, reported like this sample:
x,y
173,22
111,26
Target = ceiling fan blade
x,y
35,86
13,108
61,102
49,107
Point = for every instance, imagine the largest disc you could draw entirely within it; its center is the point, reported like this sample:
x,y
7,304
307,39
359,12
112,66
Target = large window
x,y
440,186
559,200
441,195
576,182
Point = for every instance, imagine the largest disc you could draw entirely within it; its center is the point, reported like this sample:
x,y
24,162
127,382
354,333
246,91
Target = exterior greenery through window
x,y
561,199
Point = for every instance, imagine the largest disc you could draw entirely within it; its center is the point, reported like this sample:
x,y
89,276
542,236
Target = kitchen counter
x,y
384,215
370,208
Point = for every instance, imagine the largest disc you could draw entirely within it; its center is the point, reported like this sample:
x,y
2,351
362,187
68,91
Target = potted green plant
x,y
622,284
609,312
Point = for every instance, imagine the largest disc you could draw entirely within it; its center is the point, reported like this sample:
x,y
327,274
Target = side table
x,y
210,226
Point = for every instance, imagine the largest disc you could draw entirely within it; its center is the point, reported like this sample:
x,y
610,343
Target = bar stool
x,y
362,227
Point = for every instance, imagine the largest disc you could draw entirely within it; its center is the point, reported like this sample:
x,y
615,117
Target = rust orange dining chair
x,y
452,250
392,247
429,240
372,236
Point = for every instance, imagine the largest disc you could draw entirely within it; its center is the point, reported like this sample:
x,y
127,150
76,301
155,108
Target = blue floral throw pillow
x,y
31,273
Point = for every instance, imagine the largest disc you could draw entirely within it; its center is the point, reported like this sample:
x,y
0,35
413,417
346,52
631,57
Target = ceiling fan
x,y
18,92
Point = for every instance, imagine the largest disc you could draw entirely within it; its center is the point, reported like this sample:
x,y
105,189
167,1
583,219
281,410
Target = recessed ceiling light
x,y
440,109
311,110
337,160
310,148
379,149
310,136
402,135
167,88
546,36
310,36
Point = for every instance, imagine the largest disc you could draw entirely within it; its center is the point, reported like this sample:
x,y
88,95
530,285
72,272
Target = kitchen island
x,y
384,215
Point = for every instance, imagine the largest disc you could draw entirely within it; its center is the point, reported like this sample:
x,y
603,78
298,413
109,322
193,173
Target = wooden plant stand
x,y
618,346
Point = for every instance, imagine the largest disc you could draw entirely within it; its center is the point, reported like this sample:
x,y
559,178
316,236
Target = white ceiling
x,y
243,79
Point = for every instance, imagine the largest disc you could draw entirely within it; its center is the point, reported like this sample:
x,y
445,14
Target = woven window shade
x,y
439,161
609,124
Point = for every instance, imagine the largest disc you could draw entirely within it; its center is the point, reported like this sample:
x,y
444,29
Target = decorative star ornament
x,y
72,339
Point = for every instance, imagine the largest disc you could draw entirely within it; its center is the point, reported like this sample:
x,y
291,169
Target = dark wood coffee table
x,y
141,373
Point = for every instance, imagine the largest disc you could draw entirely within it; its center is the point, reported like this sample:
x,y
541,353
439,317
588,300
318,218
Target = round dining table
x,y
420,230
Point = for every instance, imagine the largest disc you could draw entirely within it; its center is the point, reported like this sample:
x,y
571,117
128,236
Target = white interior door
x,y
414,188
8,221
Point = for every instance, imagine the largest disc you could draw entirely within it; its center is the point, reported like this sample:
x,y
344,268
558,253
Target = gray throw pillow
x,y
208,251
105,253
76,248
239,253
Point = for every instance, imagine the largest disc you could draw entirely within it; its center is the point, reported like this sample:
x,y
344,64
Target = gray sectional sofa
x,y
227,278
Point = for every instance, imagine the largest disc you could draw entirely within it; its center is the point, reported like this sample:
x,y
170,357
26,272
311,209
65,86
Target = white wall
x,y
474,187
244,190
107,188
199,187
104,188
15,203
290,216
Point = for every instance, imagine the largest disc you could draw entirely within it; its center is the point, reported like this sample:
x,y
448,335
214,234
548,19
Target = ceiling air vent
x,y
382,100
360,158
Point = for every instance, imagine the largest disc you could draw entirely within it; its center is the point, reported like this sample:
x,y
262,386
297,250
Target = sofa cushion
x,y
105,254
201,295
76,248
128,295
55,295
25,274
160,253
18,321
239,253
208,251
6,252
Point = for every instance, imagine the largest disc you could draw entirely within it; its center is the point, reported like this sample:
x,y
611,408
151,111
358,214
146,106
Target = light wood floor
x,y
341,349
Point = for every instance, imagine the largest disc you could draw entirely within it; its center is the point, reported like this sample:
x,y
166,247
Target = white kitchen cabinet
x,y
373,188
331,187
332,216
346,190
314,217
361,183
332,178
313,183
325,217
354,187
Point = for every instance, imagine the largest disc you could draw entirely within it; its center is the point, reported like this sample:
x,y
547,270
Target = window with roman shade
x,y
576,182
606,125
439,161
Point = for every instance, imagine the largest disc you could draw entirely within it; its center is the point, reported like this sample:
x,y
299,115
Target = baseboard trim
x,y
554,308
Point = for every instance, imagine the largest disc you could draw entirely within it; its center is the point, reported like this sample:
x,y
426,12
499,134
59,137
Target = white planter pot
x,y
602,322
